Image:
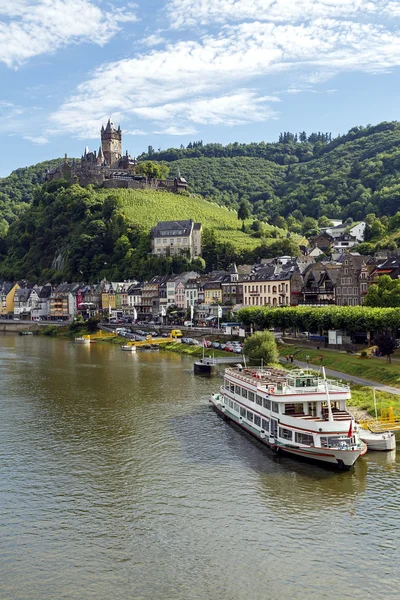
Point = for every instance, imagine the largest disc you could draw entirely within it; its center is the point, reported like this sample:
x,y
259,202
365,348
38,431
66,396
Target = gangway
x,y
387,421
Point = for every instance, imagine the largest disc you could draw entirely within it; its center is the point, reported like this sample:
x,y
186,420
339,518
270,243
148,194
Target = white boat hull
x,y
378,442
128,348
342,459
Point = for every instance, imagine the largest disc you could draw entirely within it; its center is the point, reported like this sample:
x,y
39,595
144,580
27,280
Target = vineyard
x,y
146,208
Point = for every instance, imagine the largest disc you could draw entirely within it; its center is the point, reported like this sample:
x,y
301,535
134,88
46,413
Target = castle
x,y
109,168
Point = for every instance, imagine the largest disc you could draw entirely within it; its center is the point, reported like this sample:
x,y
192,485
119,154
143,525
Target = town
x,y
311,279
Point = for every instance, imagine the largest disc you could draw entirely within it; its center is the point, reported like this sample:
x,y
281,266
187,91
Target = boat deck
x,y
338,415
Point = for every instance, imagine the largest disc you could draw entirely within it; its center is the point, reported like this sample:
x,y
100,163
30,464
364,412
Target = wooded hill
x,y
75,233
288,183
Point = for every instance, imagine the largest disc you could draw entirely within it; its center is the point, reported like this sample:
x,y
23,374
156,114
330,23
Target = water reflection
x,y
118,480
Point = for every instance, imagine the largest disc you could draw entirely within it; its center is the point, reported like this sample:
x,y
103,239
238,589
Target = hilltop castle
x,y
108,168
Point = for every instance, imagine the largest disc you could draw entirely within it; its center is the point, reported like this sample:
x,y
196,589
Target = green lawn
x,y
374,369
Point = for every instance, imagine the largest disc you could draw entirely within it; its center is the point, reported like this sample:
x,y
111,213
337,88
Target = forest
x,y
291,187
74,233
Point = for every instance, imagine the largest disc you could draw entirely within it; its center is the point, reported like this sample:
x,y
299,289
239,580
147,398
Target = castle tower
x,y
111,143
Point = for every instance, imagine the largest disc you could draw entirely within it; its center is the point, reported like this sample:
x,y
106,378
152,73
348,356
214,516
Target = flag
x,y
191,312
163,311
134,314
350,432
219,312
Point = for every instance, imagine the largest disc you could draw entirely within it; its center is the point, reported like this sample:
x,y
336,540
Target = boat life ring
x,y
271,389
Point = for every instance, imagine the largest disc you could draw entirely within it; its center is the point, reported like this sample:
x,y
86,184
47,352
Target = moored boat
x,y
128,348
299,413
82,340
205,366
379,441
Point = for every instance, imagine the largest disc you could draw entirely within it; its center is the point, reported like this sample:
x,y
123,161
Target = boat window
x,y
286,434
244,393
250,396
257,420
242,411
275,407
249,416
265,424
235,407
304,438
230,403
259,400
267,403
335,442
232,388
237,390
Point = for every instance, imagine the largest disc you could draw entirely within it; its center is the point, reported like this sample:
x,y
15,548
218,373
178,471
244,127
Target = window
x,y
275,407
257,420
249,416
339,291
304,438
265,424
242,411
286,434
244,393
259,400
237,390
250,396
267,403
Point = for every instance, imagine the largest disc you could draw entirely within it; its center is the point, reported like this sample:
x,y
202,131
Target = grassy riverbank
x,y
374,369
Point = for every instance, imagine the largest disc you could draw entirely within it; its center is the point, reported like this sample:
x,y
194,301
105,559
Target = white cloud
x,y
175,130
156,39
224,78
40,140
190,13
32,27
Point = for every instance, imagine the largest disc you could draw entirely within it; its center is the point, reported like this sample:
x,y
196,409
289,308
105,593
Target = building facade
x,y
177,238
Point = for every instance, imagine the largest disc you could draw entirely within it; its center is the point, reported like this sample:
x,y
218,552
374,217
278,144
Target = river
x,y
118,482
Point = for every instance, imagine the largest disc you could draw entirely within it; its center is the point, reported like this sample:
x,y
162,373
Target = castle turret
x,y
111,143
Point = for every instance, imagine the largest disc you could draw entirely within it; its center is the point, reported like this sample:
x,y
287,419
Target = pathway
x,y
378,386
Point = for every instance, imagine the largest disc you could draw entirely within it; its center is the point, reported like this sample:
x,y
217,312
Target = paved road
x,y
378,386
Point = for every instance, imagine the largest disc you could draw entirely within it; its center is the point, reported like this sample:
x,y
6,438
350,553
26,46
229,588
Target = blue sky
x,y
171,71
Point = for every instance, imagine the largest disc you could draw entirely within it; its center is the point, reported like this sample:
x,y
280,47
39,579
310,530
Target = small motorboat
x,y
128,348
82,340
382,441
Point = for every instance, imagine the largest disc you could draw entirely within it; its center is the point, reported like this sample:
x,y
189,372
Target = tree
x,y
262,346
152,170
386,293
244,210
386,343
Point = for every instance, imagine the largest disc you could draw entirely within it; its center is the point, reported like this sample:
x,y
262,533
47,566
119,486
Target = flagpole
x,y
376,408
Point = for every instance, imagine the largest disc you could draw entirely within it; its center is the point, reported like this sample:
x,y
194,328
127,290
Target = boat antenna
x,y
330,415
376,408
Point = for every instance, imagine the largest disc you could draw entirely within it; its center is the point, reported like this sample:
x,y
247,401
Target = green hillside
x,y
292,184
70,232
146,208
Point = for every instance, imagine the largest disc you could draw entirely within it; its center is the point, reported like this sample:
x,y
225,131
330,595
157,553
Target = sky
x,y
173,71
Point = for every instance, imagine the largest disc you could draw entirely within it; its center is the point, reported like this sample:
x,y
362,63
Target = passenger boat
x,y
298,412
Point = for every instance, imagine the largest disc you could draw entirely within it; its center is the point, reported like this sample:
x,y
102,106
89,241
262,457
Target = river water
x,y
118,482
